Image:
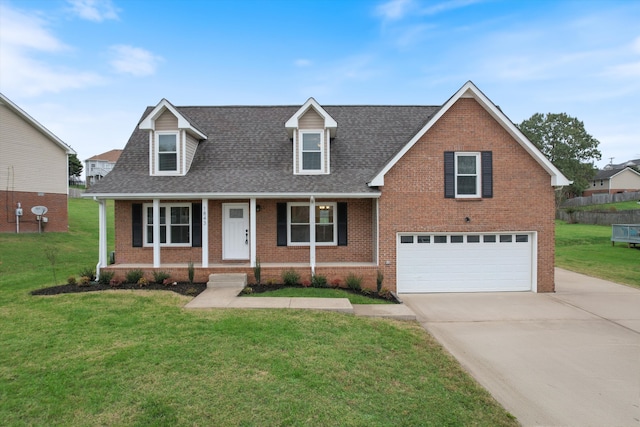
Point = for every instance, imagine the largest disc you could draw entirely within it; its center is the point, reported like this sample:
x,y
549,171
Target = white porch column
x,y
252,231
312,234
102,239
156,233
205,233
377,230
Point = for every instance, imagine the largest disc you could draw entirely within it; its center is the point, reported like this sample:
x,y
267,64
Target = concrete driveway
x,y
566,359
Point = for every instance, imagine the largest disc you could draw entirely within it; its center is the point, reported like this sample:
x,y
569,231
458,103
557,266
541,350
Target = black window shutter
x,y
136,225
281,226
342,224
487,174
196,225
449,175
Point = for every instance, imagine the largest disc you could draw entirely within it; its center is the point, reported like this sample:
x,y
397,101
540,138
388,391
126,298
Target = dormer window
x,y
311,129
312,151
167,144
173,140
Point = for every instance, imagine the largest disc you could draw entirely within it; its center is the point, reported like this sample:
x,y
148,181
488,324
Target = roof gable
x,y
33,122
610,173
148,122
329,122
469,90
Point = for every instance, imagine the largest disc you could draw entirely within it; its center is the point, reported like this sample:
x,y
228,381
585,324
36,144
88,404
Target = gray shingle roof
x,y
608,173
248,151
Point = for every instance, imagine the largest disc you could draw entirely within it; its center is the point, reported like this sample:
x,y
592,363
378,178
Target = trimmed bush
x,y
379,279
319,281
133,276
105,277
160,276
257,272
72,280
354,282
290,277
88,272
191,272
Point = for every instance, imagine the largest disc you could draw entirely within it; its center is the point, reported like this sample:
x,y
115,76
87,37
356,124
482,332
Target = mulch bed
x,y
182,288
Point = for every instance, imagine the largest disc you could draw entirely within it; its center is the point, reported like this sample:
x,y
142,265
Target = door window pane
x,y
457,239
424,239
406,239
506,238
473,238
439,239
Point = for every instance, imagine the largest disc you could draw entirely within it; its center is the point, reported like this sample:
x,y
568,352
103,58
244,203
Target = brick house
x,y
430,196
34,167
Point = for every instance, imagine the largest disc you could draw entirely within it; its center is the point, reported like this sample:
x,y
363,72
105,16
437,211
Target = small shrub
x,y
168,282
115,283
160,276
134,275
306,283
105,277
336,283
71,280
88,272
257,272
191,291
247,290
84,281
366,291
319,281
379,279
354,282
142,282
290,277
191,272
385,293
613,209
271,282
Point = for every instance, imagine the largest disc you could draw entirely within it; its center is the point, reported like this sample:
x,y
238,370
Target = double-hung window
x,y
312,151
467,170
299,225
468,174
175,225
166,152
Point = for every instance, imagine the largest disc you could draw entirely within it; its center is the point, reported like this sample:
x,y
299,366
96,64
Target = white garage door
x,y
464,262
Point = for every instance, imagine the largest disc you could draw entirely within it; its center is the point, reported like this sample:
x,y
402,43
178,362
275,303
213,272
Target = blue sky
x,y
86,69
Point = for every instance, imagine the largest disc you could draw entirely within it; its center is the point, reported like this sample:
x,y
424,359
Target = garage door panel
x,y
465,267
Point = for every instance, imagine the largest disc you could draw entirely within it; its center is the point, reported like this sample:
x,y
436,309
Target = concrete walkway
x,y
566,359
227,297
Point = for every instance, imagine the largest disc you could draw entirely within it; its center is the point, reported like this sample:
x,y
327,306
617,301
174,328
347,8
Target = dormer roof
x,y
148,122
329,122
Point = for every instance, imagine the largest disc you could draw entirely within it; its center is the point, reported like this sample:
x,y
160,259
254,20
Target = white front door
x,y
235,231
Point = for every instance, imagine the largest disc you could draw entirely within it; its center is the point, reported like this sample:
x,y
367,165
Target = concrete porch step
x,y
227,280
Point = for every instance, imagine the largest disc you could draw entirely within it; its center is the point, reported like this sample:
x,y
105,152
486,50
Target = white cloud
x,y
22,38
134,60
94,10
302,62
446,6
394,10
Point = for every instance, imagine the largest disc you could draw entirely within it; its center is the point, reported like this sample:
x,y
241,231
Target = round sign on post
x,y
39,210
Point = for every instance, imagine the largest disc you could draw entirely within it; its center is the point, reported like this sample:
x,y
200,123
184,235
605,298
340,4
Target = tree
x,y
567,145
75,166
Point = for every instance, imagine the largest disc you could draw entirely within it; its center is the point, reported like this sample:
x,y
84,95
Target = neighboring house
x,y
34,171
429,196
97,167
634,162
614,181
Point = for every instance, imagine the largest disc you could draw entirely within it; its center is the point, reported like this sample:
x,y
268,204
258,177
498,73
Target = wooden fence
x,y
602,198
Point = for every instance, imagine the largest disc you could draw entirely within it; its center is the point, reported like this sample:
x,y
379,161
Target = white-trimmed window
x,y
299,226
167,156
175,224
311,151
467,174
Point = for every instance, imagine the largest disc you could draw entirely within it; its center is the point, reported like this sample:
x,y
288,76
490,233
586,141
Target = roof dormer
x,y
173,140
311,128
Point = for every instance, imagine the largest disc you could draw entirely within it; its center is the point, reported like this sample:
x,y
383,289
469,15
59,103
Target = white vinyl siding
x,y
30,161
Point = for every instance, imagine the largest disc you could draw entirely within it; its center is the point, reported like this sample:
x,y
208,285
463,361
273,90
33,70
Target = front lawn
x,y
139,358
587,249
320,293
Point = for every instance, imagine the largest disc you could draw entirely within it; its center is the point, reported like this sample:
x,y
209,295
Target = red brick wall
x,y
57,215
413,194
360,246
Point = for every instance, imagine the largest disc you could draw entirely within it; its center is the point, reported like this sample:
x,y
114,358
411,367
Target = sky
x,y
87,69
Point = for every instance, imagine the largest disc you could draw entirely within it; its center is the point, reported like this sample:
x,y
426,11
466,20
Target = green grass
x,y
618,206
138,358
587,249
320,293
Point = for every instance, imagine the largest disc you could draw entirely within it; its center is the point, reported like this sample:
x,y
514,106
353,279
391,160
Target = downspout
x,y
312,235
